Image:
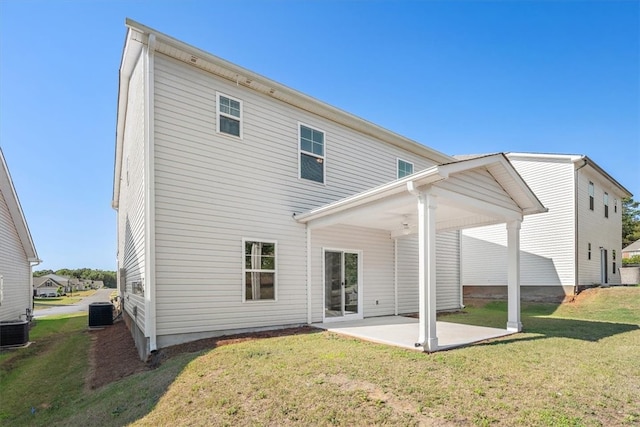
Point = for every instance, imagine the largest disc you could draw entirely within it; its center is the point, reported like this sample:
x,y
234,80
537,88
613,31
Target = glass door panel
x,y
333,284
350,283
341,284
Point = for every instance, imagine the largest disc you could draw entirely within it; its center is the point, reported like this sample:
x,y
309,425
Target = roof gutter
x,y
131,51
576,234
249,79
422,178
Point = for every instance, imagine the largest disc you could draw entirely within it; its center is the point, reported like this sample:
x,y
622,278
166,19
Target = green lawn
x,y
576,364
69,299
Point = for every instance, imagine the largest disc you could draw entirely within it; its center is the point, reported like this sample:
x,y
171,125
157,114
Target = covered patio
x,y
401,331
465,194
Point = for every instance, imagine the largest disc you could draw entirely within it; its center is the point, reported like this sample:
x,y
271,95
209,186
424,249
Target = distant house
x,y
575,245
631,250
46,286
17,252
243,204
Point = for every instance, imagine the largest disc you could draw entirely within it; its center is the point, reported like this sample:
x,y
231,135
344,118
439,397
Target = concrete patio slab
x,y
402,331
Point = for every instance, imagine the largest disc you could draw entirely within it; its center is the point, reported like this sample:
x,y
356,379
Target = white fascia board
x,y
131,51
259,83
517,183
569,158
422,178
15,209
623,191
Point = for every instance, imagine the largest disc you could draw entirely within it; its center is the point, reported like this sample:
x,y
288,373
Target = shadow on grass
x,y
132,398
537,320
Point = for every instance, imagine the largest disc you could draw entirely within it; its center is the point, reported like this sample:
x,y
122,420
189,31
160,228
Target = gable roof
x,y
39,281
139,35
635,246
8,192
385,203
570,158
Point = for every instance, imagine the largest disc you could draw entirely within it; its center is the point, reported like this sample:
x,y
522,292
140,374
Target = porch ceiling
x,y
469,194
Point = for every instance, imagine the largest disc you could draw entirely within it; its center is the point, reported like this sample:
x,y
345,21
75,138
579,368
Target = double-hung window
x,y
605,200
591,195
259,268
229,115
404,168
311,154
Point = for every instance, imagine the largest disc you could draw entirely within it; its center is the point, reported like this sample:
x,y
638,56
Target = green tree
x,y
630,221
41,273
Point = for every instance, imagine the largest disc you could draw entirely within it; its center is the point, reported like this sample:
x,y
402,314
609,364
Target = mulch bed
x,y
113,354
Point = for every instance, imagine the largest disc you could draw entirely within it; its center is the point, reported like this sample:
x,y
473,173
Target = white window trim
x,y
220,113
323,157
398,160
275,272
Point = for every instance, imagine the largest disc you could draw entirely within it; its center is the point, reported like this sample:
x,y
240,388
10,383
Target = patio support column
x,y
427,271
513,276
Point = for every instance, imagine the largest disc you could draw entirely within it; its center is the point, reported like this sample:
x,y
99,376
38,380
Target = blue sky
x,y
461,77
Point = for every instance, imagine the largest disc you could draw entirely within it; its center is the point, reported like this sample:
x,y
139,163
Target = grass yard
x,y
40,303
576,364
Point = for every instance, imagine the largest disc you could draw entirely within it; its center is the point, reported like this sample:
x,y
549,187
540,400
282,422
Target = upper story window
x,y
605,199
311,154
589,251
229,113
404,168
615,205
259,270
591,194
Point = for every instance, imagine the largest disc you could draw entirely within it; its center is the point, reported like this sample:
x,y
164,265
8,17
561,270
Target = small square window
x,y
311,154
404,168
259,270
229,115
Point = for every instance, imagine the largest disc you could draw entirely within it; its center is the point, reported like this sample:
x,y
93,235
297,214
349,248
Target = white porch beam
x,y
513,276
427,205
476,205
368,209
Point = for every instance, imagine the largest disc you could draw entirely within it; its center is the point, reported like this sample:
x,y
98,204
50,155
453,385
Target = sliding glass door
x,y
341,284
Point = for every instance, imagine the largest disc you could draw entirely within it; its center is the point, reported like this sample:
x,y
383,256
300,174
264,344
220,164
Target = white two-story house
x,y
17,253
244,204
575,245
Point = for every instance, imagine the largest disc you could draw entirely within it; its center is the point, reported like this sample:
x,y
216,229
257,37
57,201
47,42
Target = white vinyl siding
x,y
131,213
14,268
546,240
447,272
594,228
210,194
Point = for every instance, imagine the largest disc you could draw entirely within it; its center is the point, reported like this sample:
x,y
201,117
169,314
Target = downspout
x,y
395,275
309,316
150,253
32,263
460,258
575,231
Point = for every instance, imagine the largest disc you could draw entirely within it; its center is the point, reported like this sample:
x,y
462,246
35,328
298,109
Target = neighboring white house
x,y
631,250
244,204
17,252
575,245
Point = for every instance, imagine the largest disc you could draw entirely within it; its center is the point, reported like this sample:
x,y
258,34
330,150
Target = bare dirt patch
x,y
113,354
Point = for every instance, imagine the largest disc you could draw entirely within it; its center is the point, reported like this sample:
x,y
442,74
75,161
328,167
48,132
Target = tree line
x,y
630,233
107,277
630,221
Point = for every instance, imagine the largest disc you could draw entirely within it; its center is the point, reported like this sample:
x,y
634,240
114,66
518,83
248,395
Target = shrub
x,y
634,260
